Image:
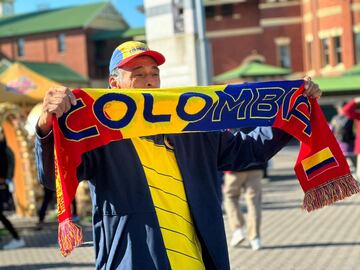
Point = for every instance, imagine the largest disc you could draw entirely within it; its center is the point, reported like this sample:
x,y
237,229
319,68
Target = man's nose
x,y
150,81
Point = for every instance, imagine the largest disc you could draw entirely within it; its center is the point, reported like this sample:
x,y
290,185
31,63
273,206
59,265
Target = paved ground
x,y
327,239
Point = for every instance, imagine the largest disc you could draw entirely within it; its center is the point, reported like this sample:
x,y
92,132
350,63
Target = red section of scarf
x,y
67,158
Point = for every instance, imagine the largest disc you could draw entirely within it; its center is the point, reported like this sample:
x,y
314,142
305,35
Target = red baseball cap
x,y
131,49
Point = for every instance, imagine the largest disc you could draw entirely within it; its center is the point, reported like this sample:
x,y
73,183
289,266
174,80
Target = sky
x,y
126,7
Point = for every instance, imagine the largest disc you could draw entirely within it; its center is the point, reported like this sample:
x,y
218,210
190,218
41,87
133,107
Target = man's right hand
x,y
57,101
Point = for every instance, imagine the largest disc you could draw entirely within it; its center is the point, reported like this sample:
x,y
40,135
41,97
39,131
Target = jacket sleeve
x,y
241,151
351,111
44,157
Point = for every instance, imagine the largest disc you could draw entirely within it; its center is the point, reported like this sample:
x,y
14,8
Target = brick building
x,y
318,37
81,38
331,35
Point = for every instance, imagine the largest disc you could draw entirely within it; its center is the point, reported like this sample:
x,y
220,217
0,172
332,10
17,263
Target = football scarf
x,y
104,115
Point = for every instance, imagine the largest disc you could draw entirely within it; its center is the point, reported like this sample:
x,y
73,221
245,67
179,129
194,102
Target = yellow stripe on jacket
x,y
168,194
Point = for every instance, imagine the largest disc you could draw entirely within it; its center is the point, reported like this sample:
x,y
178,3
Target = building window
x,y
309,54
338,50
20,47
325,51
227,10
178,12
61,43
210,11
357,47
274,1
284,55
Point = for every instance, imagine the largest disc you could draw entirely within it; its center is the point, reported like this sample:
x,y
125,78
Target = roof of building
x,y
252,69
338,84
56,72
128,33
50,20
353,71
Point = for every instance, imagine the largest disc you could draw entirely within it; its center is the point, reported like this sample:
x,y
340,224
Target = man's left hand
x,y
312,89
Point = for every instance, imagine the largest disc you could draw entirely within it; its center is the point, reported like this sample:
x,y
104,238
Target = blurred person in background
x,y
248,182
6,173
353,112
343,129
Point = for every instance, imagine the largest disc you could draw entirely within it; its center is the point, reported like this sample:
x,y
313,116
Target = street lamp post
x,y
204,66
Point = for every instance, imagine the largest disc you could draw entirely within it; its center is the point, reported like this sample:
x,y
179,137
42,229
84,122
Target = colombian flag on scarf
x,y
102,115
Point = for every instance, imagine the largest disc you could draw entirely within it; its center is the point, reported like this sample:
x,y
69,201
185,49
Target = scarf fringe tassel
x,y
333,191
69,236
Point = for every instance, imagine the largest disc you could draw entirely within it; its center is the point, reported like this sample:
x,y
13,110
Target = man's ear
x,y
112,82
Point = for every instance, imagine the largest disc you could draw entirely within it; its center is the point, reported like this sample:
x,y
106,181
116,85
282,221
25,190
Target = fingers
x,y
71,96
312,89
58,101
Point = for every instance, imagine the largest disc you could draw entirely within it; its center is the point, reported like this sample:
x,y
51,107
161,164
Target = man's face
x,y
140,72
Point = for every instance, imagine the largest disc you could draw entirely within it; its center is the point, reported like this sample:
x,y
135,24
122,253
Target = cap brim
x,y
158,57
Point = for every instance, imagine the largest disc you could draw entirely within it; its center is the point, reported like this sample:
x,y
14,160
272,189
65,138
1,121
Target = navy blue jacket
x,y
126,230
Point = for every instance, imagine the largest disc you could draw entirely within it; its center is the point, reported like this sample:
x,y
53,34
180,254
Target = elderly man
x,y
154,198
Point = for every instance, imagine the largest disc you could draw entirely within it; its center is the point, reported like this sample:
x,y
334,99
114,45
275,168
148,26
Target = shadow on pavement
x,y
281,177
269,203
281,188
278,206
47,266
48,237
345,203
297,204
314,245
281,207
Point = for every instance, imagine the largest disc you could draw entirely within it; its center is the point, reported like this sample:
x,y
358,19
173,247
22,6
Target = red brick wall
x,y
269,48
7,48
281,12
228,22
230,51
348,37
345,20
44,48
80,51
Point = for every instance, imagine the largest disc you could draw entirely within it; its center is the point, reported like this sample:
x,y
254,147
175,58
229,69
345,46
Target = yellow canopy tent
x,y
21,85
